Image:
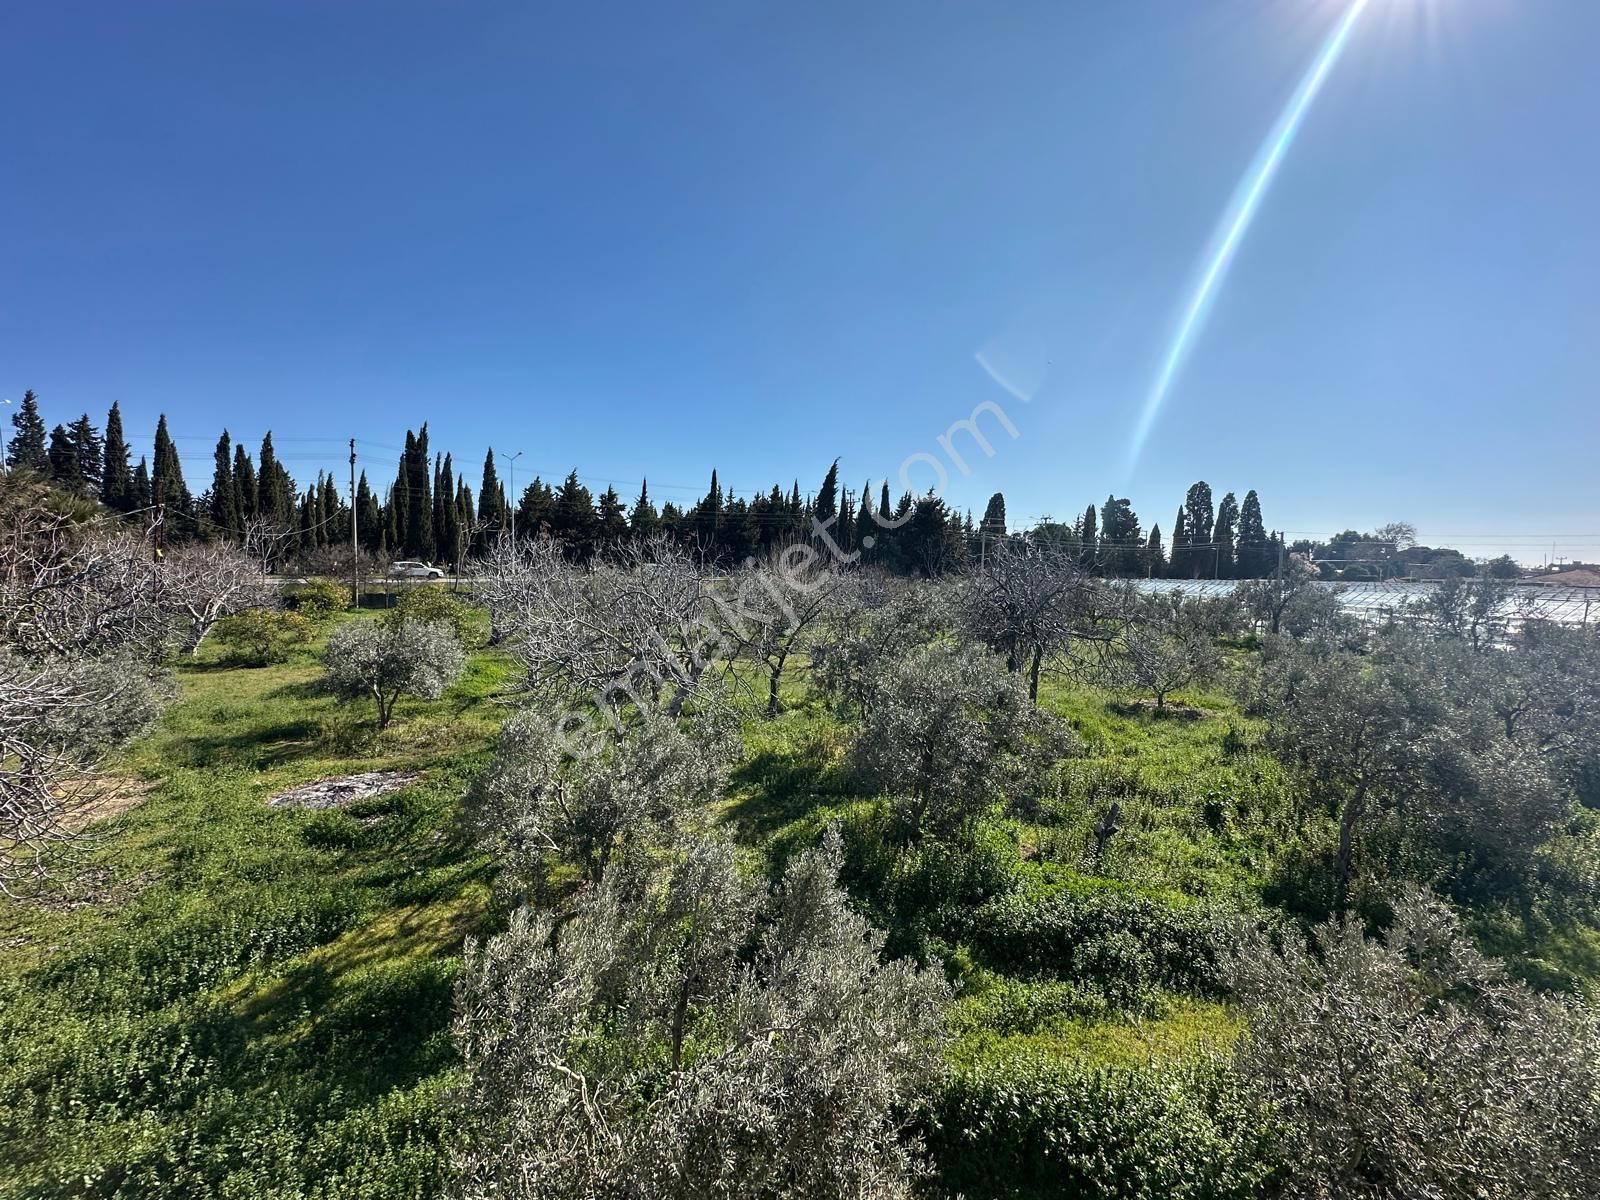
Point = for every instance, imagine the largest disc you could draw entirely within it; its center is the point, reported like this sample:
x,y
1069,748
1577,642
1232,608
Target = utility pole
x,y
7,404
355,545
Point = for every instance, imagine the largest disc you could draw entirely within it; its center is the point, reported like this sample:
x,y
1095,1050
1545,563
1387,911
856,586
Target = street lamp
x,y
512,502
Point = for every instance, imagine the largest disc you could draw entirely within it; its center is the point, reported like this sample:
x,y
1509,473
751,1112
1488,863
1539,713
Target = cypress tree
x,y
167,487
708,518
116,479
447,535
827,505
27,450
89,448
1155,563
994,517
419,503
489,515
369,519
865,527
1198,521
244,484
1181,552
400,500
140,493
225,513
63,457
1254,550
274,500
1222,533
1088,539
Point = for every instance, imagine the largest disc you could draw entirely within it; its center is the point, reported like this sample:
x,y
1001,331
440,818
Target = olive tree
x,y
951,733
783,603
389,659
1160,660
884,620
1412,1066
548,797
678,1032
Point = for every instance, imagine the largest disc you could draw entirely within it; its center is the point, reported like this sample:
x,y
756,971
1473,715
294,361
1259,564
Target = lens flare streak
x,y
1236,219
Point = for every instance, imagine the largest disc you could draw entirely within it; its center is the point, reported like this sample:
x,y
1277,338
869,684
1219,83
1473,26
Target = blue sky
x,y
654,239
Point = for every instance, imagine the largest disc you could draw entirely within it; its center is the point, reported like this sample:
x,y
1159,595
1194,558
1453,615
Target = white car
x,y
414,570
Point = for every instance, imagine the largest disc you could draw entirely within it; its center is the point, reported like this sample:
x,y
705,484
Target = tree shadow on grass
x,y
779,786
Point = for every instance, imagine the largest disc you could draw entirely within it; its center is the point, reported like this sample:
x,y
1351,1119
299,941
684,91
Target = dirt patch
x,y
93,887
101,797
337,793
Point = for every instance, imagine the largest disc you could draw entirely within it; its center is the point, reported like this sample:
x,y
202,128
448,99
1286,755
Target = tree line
x,y
430,512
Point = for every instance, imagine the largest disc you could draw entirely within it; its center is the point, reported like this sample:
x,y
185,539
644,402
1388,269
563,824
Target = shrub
x,y
1032,1128
262,636
432,603
1123,944
321,600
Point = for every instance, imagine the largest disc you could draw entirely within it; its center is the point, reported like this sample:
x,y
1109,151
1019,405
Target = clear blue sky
x,y
660,238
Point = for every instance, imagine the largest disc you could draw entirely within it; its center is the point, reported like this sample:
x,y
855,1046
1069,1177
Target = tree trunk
x,y
1341,867
773,675
1033,675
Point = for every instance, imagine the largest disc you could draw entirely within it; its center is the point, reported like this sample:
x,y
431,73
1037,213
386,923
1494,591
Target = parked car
x,y
414,570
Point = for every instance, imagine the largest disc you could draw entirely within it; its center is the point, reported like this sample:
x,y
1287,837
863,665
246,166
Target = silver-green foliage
x,y
386,660
951,733
681,1033
1412,1067
572,797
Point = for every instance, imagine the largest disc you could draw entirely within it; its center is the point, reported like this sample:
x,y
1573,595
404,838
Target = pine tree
x,y
643,519
1198,521
116,481
613,520
27,450
575,522
63,457
225,513
90,450
1253,548
536,510
1222,533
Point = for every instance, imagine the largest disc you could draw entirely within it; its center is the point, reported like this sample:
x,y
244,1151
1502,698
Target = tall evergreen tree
x,y
1182,554
1222,533
274,500
419,498
1155,563
63,457
116,480
827,503
1198,520
27,449
613,519
536,510
225,513
1254,550
447,535
89,448
643,520
708,519
994,517
244,484
1089,539
574,521
491,519
140,494
369,519
1121,540
866,528
167,487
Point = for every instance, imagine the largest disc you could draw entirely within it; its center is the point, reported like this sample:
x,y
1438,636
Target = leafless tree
x,y
782,603
646,629
206,581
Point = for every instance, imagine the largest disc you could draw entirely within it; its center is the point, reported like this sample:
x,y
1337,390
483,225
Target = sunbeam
x,y
1236,219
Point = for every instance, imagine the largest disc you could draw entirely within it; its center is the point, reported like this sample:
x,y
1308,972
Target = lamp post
x,y
511,502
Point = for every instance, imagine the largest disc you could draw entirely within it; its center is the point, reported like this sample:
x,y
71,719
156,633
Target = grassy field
x,y
241,1000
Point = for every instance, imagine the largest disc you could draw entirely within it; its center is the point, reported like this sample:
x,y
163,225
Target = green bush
x,y
433,604
321,600
331,829
1125,945
259,637
1034,1128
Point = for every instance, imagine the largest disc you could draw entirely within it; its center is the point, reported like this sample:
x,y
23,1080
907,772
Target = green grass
x,y
259,1003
